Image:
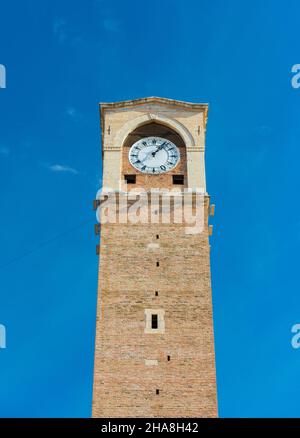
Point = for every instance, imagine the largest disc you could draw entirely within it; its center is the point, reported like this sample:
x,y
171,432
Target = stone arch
x,y
131,125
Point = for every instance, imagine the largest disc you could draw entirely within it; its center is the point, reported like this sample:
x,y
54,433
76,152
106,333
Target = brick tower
x,y
154,352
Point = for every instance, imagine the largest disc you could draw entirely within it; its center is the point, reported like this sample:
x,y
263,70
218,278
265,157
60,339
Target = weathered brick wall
x,y
124,386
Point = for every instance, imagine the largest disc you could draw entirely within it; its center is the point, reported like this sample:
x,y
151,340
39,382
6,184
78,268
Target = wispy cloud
x,y
62,168
59,29
65,33
107,19
111,25
264,131
4,150
73,113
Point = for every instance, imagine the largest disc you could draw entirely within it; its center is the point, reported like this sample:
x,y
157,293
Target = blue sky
x,y
64,57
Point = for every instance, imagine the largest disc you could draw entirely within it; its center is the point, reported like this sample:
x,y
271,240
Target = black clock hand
x,y
158,149
146,157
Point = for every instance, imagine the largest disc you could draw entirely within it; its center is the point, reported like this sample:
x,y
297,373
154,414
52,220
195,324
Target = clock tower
x,y
154,350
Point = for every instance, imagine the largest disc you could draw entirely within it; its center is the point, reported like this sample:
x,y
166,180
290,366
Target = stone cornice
x,y
162,100
155,100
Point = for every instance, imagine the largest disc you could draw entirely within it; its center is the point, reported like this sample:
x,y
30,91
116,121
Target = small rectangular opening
x,y
157,263
157,392
130,179
97,229
178,179
157,236
169,358
156,293
154,321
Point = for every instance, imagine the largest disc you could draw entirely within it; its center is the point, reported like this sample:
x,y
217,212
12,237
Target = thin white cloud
x,y
72,113
61,168
4,150
264,131
111,25
65,33
59,29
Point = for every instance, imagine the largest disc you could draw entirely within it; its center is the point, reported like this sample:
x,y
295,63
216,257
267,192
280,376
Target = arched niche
x,y
153,128
133,124
148,181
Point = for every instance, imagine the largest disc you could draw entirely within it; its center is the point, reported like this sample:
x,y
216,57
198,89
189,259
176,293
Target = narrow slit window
x,y
157,392
154,321
157,263
130,179
169,358
157,236
156,293
178,179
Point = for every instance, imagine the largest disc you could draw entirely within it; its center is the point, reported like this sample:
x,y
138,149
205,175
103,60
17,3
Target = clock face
x,y
154,155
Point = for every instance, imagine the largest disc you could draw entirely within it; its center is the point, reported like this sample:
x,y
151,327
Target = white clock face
x,y
154,155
